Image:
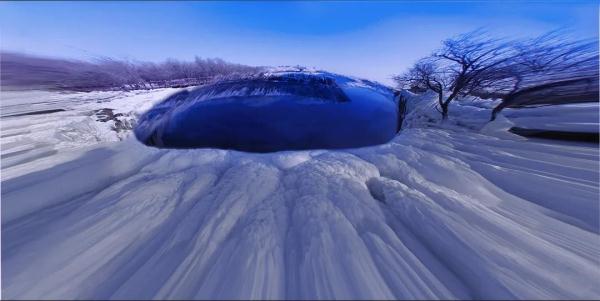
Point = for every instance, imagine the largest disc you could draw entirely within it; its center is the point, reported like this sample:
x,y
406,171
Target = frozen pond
x,y
289,111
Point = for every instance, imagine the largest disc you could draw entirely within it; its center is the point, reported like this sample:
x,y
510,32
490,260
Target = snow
x,y
27,138
474,114
558,117
443,211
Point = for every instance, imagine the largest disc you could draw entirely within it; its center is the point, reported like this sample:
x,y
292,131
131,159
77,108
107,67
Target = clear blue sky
x,y
367,39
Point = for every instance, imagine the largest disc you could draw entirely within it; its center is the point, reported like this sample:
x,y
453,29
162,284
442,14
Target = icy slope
x,y
433,214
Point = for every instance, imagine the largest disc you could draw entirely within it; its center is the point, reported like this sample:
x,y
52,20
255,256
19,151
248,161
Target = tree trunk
x,y
444,105
444,110
505,102
512,98
497,110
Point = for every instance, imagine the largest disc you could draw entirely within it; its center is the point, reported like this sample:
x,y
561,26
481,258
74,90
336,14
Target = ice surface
x,y
444,210
273,112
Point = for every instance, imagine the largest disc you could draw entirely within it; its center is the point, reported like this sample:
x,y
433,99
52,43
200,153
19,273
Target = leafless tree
x,y
426,74
462,65
550,69
26,71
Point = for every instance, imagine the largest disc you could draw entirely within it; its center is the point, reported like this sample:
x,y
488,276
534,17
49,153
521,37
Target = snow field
x,y
441,211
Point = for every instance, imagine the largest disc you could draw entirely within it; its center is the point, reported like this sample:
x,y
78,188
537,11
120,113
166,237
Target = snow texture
x,y
443,211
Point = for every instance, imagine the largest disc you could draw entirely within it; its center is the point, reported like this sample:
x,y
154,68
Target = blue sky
x,y
367,39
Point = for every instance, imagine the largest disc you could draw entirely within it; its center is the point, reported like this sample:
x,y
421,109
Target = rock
x,y
121,122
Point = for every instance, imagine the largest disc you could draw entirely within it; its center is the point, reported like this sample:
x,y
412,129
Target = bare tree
x,y
550,69
25,71
425,75
462,65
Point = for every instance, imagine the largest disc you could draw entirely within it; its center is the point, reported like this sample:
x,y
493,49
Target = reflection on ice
x,y
274,111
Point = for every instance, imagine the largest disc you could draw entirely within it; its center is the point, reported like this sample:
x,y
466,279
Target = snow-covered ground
x,y
76,120
454,210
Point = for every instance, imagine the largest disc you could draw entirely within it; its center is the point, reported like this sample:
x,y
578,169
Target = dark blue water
x,y
265,123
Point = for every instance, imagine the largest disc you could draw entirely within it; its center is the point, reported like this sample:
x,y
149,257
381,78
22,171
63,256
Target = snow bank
x,y
473,114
